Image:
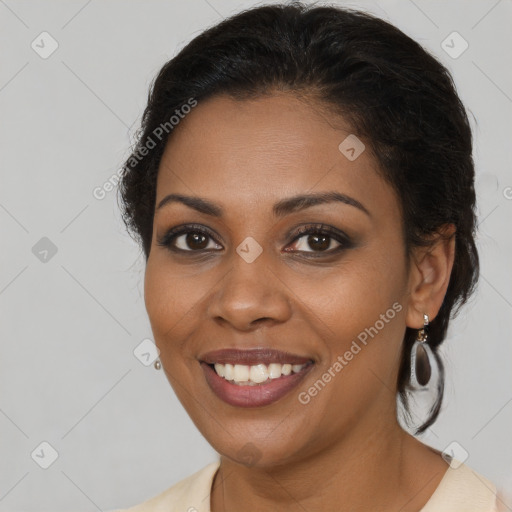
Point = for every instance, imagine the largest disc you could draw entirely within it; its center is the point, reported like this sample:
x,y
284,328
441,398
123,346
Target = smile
x,y
244,375
267,375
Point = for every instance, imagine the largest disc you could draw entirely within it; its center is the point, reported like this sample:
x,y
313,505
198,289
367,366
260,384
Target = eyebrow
x,y
280,209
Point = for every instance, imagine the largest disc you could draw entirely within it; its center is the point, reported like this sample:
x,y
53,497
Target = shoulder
x,y
190,494
462,490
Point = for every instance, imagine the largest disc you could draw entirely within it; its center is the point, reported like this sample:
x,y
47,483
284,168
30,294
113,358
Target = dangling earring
x,y
421,357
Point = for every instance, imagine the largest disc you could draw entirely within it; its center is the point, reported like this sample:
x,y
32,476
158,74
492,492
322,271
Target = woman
x,y
303,193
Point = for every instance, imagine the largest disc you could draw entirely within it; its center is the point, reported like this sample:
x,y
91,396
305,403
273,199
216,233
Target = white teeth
x,y
219,368
286,369
255,374
229,371
274,370
241,373
258,373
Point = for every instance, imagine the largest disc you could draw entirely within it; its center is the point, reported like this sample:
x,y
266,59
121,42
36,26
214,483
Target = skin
x,y
344,450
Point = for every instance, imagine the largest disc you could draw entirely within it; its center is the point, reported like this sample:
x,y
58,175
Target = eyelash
x,y
310,229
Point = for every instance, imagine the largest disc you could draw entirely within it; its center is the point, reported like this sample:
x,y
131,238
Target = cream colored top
x,y
460,490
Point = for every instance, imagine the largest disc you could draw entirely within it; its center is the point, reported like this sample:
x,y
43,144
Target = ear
x,y
429,276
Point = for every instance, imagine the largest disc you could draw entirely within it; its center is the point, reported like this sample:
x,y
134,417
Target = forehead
x,y
249,151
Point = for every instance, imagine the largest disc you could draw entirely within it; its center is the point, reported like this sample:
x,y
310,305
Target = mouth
x,y
253,378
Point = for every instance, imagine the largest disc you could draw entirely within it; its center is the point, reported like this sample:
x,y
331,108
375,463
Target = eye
x,y
190,238
320,239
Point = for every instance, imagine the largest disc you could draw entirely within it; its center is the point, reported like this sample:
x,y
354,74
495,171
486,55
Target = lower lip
x,y
252,396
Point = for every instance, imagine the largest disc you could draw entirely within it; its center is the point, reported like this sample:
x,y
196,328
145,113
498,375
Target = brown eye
x,y
318,240
189,239
316,243
196,240
193,241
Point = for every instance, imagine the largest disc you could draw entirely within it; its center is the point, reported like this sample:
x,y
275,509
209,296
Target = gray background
x,y
69,325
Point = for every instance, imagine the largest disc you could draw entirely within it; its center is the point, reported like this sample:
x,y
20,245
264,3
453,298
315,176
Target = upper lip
x,y
252,357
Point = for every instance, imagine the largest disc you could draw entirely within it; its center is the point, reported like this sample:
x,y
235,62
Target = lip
x,y
257,395
252,356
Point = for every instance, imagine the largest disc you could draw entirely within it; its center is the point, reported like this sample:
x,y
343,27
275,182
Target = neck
x,y
362,471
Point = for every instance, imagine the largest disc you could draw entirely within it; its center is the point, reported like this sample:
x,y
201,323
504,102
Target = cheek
x,y
355,295
172,301
359,313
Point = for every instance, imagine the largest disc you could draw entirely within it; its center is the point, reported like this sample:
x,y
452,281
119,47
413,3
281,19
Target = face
x,y
252,277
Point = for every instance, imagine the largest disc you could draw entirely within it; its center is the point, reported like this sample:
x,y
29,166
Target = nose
x,y
250,294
